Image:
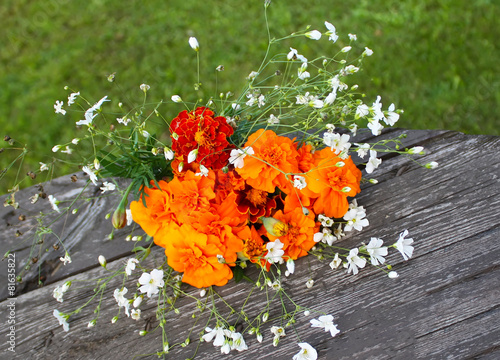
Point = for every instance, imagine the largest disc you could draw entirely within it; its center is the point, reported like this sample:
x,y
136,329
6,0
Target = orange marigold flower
x,y
201,130
157,212
333,183
254,248
195,254
191,194
224,228
297,232
274,156
226,184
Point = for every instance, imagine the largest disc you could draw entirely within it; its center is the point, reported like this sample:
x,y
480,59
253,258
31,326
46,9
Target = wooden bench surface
x,y
444,305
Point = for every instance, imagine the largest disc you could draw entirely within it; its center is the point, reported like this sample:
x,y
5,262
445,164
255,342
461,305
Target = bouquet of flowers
x,y
257,179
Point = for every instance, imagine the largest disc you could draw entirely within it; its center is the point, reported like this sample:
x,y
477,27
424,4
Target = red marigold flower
x,y
202,131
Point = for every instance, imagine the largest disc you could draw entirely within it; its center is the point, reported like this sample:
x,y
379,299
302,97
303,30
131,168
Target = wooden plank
x,y
82,234
444,304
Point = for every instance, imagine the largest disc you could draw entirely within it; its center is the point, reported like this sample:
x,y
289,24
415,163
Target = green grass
x,y
435,59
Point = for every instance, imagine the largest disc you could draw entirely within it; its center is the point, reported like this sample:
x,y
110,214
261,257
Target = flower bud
x,y
169,154
102,261
393,275
416,150
193,42
431,165
274,227
193,154
119,217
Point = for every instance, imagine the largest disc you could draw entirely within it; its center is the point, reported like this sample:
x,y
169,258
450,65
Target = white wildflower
x,y
151,282
58,107
293,54
307,352
67,150
325,236
119,295
350,69
299,182
123,120
203,171
107,186
252,75
273,120
404,245
62,318
325,220
278,333
72,97
261,101
354,261
376,127
361,111
362,149
302,73
376,251
54,202
355,217
336,262
130,266
337,143
93,177
237,156
373,162
274,251
391,117
238,342
367,52
217,335
135,314
59,291
326,322
89,114
331,32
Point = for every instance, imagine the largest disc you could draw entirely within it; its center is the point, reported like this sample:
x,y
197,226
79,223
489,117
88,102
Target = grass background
x,y
436,59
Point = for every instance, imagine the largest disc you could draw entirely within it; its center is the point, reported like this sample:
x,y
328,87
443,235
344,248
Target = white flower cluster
x,y
226,339
389,117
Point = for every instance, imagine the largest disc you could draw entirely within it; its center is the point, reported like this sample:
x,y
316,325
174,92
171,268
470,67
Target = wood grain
x,y
444,305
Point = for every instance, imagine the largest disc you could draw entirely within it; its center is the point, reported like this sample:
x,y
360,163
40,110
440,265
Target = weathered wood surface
x,y
444,305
